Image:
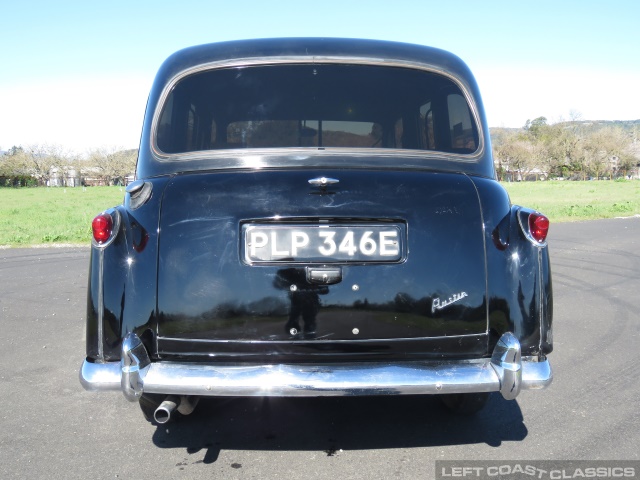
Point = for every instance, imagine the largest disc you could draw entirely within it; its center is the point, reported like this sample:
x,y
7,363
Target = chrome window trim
x,y
301,60
479,336
100,304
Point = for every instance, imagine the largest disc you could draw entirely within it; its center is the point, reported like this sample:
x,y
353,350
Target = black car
x,y
316,217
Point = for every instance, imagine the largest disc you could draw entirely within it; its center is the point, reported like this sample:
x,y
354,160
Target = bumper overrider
x,y
505,372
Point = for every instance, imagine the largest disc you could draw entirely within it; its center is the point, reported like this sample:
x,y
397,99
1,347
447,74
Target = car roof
x,y
264,51
313,49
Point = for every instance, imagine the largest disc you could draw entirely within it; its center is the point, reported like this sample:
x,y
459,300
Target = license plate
x,y
323,244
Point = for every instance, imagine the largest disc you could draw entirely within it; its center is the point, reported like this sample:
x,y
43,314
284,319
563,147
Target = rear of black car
x,y
245,256
317,225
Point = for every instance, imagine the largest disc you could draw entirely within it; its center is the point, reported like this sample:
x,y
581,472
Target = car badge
x,y
439,304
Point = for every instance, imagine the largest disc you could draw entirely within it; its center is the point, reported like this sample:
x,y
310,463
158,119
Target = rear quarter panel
x,y
518,275
124,274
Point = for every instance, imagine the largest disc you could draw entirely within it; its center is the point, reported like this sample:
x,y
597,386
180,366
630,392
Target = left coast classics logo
x,y
439,304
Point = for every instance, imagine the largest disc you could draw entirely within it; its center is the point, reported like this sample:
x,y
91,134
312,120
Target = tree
x,y
39,161
575,115
536,127
608,151
566,152
521,154
12,162
110,165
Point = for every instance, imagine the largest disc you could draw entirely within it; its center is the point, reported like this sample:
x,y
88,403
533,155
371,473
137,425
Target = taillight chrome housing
x,y
105,228
534,226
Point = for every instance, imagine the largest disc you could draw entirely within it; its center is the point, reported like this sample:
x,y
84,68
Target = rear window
x,y
317,106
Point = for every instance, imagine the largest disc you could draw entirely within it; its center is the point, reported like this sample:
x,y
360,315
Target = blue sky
x,y
77,74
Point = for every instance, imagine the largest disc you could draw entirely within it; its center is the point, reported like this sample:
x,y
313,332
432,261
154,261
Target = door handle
x,y
324,275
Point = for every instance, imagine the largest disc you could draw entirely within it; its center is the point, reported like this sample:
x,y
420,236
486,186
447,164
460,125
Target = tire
x,y
465,403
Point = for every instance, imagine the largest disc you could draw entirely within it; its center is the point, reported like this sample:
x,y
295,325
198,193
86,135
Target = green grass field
x,y
574,201
36,216
33,216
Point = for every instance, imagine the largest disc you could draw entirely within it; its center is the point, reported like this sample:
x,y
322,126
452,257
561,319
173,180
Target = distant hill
x,y
584,126
604,123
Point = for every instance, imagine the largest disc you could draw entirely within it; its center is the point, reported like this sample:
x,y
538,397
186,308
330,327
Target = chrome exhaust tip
x,y
166,408
184,404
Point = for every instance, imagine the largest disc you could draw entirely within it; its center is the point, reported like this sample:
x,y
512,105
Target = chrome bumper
x,y
505,372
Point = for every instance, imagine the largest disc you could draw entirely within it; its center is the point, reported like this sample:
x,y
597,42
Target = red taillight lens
x,y
538,227
102,227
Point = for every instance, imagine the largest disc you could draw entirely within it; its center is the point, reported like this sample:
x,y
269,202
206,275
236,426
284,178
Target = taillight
x,y
538,227
102,227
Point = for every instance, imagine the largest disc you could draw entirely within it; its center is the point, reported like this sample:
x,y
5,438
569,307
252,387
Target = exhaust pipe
x,y
183,404
163,412
188,404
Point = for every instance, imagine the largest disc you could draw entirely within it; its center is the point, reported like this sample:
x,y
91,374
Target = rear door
x,y
266,257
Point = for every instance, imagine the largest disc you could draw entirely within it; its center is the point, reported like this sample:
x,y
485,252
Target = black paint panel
x,y
205,291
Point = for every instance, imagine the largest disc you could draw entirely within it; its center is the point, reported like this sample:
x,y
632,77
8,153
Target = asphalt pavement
x,y
51,428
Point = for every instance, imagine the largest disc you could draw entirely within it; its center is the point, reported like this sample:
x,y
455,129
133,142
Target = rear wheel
x,y
465,403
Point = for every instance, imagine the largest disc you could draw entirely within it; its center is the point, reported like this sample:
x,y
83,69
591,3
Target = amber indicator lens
x,y
538,227
102,227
